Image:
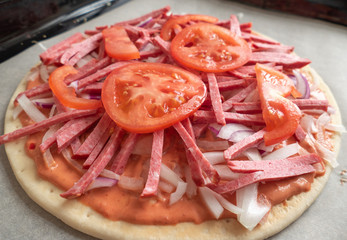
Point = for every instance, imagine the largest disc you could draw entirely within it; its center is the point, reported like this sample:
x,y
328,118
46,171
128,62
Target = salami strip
x,y
258,38
235,25
151,186
100,74
52,139
76,129
272,47
99,146
152,14
94,88
96,168
35,91
216,99
52,54
37,127
80,49
94,137
240,96
120,161
202,116
303,104
248,142
260,176
194,166
286,60
75,145
247,107
273,165
269,170
193,148
162,44
91,67
232,84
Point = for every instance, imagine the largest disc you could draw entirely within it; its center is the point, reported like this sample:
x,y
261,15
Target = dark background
x,y
24,22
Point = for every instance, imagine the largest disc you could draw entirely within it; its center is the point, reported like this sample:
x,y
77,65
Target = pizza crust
x,y
86,220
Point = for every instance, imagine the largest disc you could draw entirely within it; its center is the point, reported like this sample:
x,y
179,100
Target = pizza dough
x,y
84,219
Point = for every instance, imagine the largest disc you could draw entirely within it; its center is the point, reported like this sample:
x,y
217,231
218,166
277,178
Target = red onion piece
x,y
302,84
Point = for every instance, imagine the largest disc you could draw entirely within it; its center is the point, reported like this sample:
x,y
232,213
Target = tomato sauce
x,y
116,203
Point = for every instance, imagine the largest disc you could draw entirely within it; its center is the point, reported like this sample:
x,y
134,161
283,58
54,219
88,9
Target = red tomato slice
x,y
209,48
281,115
118,44
145,97
168,30
67,95
272,80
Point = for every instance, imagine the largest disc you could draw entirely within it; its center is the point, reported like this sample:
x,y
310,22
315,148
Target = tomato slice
x,y
145,97
281,115
168,30
209,48
118,44
67,95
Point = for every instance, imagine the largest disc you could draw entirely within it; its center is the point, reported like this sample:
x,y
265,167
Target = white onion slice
x,y
214,157
52,111
44,73
240,135
253,211
178,194
253,154
100,182
308,123
33,75
16,111
225,173
166,187
30,109
47,155
283,153
323,120
227,205
265,148
211,201
212,145
67,155
131,183
335,128
326,154
191,186
168,175
109,174
227,130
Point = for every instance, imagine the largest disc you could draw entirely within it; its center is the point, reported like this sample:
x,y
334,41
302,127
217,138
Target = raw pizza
x,y
173,127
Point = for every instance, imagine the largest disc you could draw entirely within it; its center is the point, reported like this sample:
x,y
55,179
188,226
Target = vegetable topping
x,y
214,104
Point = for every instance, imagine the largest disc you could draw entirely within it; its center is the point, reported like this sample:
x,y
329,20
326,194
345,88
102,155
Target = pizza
x,y
173,126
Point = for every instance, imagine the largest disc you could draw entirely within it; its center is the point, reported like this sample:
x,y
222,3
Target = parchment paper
x,y
322,42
